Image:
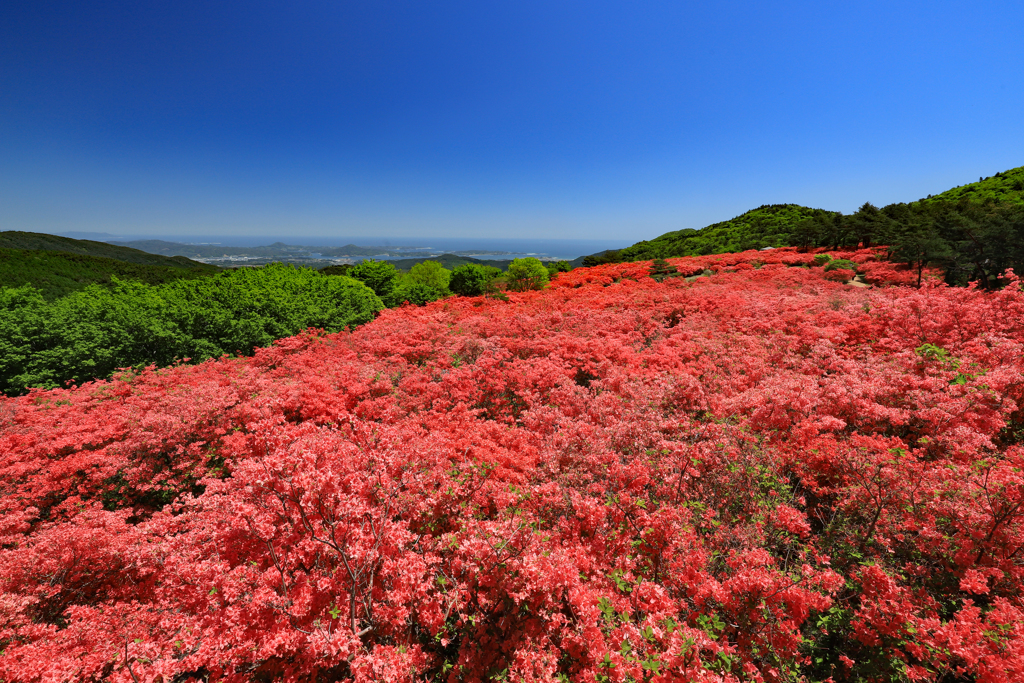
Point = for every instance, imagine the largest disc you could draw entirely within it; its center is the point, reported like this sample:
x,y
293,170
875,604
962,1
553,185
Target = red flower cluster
x,y
871,262
758,475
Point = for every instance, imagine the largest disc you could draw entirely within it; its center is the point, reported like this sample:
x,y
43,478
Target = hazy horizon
x,y
562,248
401,120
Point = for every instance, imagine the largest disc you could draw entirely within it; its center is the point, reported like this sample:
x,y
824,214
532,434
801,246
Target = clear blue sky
x,y
602,120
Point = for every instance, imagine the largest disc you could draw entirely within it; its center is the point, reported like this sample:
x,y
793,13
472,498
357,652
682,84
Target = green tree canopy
x,y
526,273
415,293
556,267
971,241
57,273
93,332
431,274
340,269
379,276
472,279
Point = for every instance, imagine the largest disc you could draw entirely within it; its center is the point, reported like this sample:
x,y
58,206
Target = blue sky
x,y
595,120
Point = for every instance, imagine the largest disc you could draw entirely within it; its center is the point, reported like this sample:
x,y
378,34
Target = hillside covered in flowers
x,y
749,470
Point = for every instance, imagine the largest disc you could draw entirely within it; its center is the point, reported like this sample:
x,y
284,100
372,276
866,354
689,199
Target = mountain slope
x,y
15,239
776,225
1005,186
765,226
57,273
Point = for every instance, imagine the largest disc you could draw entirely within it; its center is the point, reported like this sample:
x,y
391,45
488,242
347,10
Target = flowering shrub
x,y
839,274
759,475
871,262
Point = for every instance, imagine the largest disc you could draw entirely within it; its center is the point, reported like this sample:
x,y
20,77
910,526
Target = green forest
x,y
973,232
57,273
93,332
15,239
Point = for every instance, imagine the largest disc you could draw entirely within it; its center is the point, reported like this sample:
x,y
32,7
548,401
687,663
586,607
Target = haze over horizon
x,y
407,121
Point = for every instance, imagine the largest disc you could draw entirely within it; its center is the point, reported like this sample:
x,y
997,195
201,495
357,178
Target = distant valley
x,y
313,256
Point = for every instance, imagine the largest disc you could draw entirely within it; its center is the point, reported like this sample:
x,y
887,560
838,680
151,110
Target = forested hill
x,y
58,273
765,226
1007,186
778,225
15,239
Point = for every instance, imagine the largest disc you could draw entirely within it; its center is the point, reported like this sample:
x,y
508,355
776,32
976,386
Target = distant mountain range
x,y
308,256
276,250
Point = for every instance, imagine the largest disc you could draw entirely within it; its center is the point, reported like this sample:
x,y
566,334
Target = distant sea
x,y
567,249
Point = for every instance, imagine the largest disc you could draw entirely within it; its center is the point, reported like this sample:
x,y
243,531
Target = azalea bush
x,y
757,474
